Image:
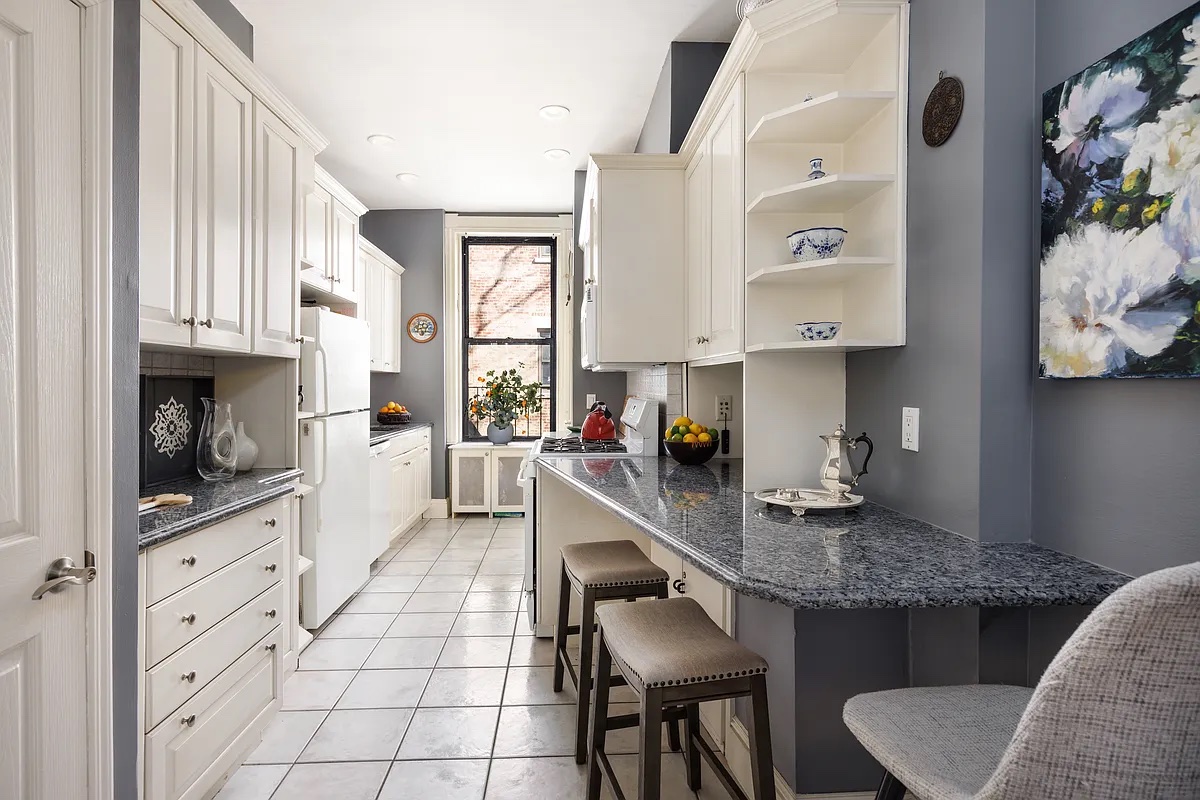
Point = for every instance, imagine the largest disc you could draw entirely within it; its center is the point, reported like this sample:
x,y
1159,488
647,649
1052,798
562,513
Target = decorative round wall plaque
x,y
943,110
422,328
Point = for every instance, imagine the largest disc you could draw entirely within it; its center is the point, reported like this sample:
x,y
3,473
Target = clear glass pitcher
x,y
216,448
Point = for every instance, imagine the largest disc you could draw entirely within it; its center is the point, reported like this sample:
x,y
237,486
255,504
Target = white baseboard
x,y
737,753
439,509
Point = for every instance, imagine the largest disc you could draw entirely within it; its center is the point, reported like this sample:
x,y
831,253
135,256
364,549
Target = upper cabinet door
x,y
727,283
374,304
390,319
347,277
223,199
315,250
277,212
168,86
696,253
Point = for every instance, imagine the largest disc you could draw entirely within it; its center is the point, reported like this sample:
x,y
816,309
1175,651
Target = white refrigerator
x,y
335,376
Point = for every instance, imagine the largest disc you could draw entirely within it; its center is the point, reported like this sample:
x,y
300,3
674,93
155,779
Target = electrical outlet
x,y
910,429
591,400
724,407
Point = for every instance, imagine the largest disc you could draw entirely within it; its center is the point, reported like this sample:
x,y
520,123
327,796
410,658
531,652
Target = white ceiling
x,y
458,83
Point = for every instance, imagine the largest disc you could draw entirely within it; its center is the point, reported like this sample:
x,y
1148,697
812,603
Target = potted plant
x,y
506,397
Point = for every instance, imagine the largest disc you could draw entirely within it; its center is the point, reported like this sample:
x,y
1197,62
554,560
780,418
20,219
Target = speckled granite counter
x,y
212,502
871,557
381,433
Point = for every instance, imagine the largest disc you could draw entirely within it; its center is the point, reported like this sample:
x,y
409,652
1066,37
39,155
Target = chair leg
x,y
890,788
560,629
762,769
586,637
673,739
650,746
599,717
693,750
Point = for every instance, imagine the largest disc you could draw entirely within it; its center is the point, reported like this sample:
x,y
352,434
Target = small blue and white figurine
x,y
815,165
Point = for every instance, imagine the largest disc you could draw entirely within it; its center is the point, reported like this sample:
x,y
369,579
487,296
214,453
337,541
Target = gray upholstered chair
x,y
1116,715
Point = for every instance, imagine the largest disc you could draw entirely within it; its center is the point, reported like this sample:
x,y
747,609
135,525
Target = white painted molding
x,y
213,39
439,509
339,192
370,249
637,161
96,74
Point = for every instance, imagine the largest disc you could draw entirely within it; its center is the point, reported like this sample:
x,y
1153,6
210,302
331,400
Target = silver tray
x,y
801,501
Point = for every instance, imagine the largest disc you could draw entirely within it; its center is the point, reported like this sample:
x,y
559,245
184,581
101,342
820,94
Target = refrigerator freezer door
x,y
335,362
335,532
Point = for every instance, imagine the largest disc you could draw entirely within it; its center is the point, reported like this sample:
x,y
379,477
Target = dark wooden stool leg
x,y
761,767
693,750
650,746
890,788
560,629
673,739
586,638
599,717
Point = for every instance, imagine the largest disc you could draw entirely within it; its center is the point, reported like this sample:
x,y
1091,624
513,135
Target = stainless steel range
x,y
573,445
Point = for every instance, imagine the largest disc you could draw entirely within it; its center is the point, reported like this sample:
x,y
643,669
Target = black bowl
x,y
692,452
394,418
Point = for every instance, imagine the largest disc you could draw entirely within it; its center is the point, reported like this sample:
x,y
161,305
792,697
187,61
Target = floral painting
x,y
1120,258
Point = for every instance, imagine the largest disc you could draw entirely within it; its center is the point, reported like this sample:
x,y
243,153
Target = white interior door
x,y
43,676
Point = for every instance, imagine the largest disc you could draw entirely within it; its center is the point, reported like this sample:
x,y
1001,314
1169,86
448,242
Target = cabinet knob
x,y
270,567
336,280
270,523
271,613
299,340
189,619
208,323
189,720
271,647
190,561
190,677
188,321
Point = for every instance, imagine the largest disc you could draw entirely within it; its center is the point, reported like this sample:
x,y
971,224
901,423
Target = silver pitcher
x,y
838,475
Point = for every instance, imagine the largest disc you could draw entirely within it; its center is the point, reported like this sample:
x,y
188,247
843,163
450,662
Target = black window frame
x,y
469,432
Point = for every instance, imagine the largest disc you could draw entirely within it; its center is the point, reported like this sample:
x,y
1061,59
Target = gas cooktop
x,y
574,444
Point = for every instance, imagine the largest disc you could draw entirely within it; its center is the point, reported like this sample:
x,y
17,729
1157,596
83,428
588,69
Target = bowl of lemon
x,y
690,442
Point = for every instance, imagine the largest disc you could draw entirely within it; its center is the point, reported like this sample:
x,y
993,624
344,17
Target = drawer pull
x,y
271,647
190,561
271,613
189,619
190,677
189,720
271,567
271,522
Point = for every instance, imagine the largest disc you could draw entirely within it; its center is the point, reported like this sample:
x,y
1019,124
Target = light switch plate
x,y
910,429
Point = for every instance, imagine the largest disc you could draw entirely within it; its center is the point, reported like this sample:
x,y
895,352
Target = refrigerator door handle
x,y
322,373
319,452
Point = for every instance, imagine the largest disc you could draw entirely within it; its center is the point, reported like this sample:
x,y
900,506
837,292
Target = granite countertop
x,y
212,502
871,557
381,433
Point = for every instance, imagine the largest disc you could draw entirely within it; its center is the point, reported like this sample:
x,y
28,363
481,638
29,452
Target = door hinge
x,y
89,559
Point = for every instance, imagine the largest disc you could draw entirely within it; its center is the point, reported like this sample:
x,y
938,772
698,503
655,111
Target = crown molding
x,y
339,192
369,247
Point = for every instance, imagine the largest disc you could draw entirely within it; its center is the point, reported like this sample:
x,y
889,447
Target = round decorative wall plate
x,y
422,328
943,110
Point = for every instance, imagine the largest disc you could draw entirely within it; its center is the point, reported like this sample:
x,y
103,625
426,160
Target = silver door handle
x,y
63,573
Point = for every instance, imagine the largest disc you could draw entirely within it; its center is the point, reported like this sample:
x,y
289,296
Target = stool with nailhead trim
x,y
615,570
675,657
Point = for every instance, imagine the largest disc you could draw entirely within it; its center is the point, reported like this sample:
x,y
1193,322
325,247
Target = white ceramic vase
x,y
247,449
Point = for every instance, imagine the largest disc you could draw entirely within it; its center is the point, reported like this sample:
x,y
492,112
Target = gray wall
x,y
682,84
607,386
1115,461
230,20
416,240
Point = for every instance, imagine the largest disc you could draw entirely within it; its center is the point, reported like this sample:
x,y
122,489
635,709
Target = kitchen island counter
x,y
870,557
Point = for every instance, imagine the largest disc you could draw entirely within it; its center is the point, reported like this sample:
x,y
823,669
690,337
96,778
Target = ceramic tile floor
x,y
429,685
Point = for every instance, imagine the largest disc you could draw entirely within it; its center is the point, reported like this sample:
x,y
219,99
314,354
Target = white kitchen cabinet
x,y
716,280
483,478
224,193
330,248
410,487
347,278
165,147
382,304
632,236
315,256
278,178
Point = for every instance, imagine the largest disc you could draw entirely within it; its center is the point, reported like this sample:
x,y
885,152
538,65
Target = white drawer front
x,y
178,678
190,750
185,615
408,441
181,562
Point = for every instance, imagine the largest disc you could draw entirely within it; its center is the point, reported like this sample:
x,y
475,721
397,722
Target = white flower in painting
x,y
1168,148
1181,227
1052,189
1191,59
1092,285
1094,111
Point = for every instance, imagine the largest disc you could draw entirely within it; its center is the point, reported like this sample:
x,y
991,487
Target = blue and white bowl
x,y
818,331
813,244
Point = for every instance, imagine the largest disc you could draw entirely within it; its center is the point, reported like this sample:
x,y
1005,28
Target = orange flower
x,y
481,380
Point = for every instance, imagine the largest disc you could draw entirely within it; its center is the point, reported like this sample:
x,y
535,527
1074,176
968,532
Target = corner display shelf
x,y
824,270
838,345
831,194
831,117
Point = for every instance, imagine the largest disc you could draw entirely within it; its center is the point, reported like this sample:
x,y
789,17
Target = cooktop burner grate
x,y
574,444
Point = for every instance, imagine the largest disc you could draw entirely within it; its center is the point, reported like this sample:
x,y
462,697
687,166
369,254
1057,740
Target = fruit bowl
x,y
813,244
394,418
692,452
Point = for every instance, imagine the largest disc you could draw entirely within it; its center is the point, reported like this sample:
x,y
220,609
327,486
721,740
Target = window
x,y
509,312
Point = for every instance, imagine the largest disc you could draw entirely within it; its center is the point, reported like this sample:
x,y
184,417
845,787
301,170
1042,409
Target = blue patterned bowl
x,y
812,244
818,331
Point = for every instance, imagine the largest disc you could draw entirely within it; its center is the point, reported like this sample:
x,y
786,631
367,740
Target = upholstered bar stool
x,y
616,570
675,657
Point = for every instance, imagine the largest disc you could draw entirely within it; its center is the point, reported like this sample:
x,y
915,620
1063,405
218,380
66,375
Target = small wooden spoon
x,y
162,500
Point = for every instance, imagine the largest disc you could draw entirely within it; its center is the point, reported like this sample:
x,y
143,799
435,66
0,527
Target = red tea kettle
x,y
598,424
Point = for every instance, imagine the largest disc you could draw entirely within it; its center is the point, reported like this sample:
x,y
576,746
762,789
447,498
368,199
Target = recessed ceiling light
x,y
555,112
408,177
557,154
381,140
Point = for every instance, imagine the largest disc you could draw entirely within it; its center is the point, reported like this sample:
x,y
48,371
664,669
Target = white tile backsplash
x,y
664,383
